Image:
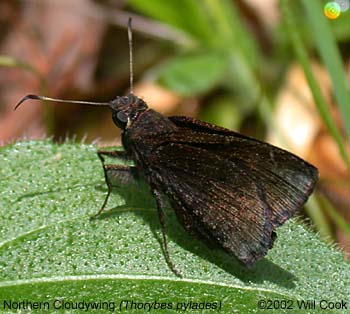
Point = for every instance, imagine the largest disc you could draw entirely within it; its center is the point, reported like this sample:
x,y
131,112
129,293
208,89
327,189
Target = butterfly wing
x,y
230,189
287,180
217,199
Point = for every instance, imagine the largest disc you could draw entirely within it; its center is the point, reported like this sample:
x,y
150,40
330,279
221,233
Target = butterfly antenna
x,y
130,56
36,97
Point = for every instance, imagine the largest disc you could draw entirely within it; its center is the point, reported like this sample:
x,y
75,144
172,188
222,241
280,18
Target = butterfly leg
x,y
124,175
161,215
113,154
120,173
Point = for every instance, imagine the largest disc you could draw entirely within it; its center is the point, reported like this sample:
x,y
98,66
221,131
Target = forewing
x,y
287,180
224,200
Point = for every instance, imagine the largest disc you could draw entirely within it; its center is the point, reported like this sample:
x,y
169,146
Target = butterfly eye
x,y
120,118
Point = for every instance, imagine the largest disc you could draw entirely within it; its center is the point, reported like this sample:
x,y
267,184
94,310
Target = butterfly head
x,y
125,109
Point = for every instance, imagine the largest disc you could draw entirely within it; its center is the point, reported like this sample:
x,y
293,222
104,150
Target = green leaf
x,y
49,250
191,75
185,15
11,62
222,111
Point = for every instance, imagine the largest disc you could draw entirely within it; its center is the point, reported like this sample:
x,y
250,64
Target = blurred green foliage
x,y
222,52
